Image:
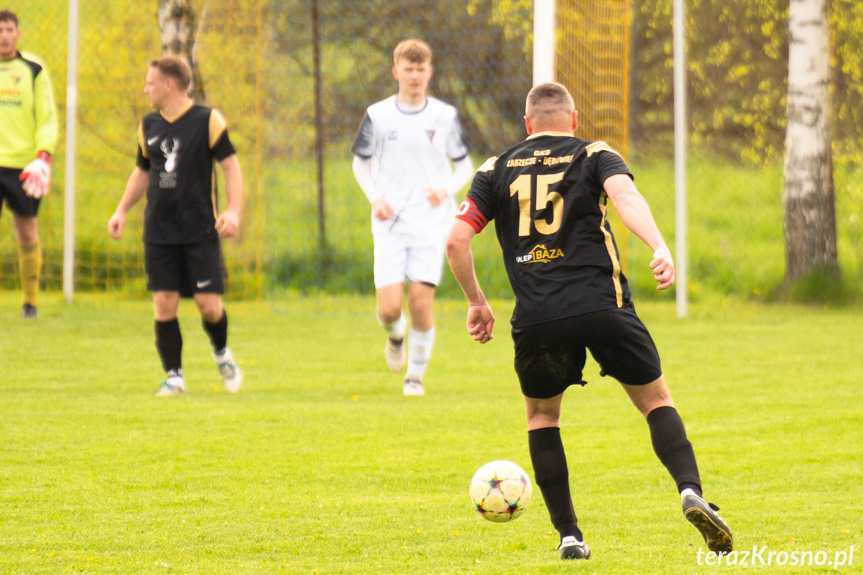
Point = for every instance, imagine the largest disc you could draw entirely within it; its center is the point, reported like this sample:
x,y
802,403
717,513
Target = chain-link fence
x,y
293,79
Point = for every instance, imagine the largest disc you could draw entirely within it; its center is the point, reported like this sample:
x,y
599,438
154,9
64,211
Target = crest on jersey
x,y
540,254
392,135
430,134
170,151
170,148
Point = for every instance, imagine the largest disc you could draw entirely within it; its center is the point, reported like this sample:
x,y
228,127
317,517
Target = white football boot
x,y
232,379
173,385
413,386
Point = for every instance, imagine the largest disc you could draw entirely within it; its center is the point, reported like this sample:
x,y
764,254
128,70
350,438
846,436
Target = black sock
x,y
169,344
552,477
673,448
218,332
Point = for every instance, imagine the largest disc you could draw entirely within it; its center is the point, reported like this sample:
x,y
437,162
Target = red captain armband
x,y
470,214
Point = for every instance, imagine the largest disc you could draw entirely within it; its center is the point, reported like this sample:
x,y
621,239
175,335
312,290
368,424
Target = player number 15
x,y
522,187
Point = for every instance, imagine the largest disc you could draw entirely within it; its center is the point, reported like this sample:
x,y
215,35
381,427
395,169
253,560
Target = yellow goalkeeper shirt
x,y
28,119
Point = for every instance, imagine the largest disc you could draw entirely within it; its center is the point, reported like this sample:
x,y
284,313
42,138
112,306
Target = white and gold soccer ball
x,y
500,491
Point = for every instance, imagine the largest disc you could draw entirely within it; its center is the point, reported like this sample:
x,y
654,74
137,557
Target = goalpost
x,y
543,41
681,254
71,120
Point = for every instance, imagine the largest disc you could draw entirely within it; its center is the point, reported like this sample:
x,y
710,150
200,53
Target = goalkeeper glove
x,y
37,176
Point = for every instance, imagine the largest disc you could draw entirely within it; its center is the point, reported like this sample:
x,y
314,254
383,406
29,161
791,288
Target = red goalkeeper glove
x,y
37,176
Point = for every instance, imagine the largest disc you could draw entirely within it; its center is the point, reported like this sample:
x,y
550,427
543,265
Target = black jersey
x,y
178,154
547,199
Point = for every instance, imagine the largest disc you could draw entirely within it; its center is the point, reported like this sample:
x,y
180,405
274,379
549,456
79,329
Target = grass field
x,y
320,465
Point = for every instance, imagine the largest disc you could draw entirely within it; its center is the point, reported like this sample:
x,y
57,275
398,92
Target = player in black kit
x,y
176,148
548,196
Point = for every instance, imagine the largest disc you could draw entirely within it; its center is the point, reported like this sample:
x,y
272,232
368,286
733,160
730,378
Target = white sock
x,y
396,329
419,351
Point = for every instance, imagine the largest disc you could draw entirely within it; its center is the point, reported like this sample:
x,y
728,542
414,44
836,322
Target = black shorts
x,y
550,356
185,268
12,192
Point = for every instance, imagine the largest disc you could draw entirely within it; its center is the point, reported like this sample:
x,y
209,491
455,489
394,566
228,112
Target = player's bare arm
x,y
136,187
228,222
636,216
480,318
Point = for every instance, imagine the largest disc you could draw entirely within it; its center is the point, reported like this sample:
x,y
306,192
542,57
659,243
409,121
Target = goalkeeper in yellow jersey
x,y
27,138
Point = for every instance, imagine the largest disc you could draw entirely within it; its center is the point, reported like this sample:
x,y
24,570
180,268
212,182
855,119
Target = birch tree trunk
x,y
807,197
178,27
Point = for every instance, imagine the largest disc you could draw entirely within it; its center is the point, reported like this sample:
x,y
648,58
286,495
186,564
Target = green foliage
x,y
848,190
737,72
484,73
514,17
320,465
819,286
846,19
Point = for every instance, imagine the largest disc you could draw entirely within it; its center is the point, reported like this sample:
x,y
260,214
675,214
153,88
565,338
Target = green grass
x,y
321,466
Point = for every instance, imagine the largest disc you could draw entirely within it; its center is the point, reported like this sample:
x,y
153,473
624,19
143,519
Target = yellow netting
x,y
592,59
116,42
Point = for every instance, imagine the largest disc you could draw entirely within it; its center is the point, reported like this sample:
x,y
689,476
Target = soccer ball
x,y
500,491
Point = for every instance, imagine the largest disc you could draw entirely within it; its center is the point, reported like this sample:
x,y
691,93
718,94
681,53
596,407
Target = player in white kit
x,y
410,159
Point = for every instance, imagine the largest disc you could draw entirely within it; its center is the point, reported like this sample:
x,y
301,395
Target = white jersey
x,y
409,152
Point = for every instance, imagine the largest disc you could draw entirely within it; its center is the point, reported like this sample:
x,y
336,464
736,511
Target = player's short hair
x,y
175,68
9,16
546,101
412,50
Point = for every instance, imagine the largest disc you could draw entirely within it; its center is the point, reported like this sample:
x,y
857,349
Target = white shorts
x,y
400,257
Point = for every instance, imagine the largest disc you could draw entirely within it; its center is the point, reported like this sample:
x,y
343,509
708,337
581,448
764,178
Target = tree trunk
x,y
178,27
807,197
